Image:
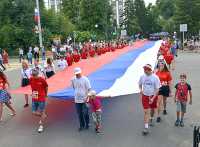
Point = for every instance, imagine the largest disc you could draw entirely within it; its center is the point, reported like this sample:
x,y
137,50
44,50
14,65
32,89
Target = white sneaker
x,y
40,129
145,131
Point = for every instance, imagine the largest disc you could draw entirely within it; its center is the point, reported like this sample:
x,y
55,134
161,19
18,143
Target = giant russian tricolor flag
x,y
112,74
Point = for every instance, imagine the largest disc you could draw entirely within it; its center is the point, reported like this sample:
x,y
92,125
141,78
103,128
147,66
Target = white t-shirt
x,y
81,88
30,49
49,68
62,49
26,73
149,84
36,49
62,64
53,49
1,58
21,52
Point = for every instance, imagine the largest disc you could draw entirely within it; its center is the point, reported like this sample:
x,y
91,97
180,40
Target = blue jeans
x,y
38,106
30,60
83,114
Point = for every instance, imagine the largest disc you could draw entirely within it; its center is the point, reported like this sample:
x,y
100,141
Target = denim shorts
x,y
181,106
38,106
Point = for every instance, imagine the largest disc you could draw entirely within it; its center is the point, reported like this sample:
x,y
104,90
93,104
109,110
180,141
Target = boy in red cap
x,y
149,85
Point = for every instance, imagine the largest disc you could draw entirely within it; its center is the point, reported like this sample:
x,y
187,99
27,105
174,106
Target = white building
x,y
118,10
53,4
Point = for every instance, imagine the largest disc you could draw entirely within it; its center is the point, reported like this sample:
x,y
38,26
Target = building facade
x,y
118,10
53,4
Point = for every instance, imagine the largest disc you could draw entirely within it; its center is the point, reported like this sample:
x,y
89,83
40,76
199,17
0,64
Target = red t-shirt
x,y
95,104
76,57
112,49
165,77
92,52
38,86
109,48
182,91
98,51
2,84
103,50
169,58
84,55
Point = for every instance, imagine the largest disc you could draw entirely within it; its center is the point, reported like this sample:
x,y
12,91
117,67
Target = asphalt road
x,y
122,120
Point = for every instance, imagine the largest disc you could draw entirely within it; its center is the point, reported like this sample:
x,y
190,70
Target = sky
x,y
146,1
150,1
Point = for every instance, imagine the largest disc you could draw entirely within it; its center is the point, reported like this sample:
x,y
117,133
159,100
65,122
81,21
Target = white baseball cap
x,y
92,93
77,70
161,57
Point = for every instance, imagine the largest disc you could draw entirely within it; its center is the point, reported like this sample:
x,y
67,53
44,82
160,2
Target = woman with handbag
x,y
4,95
25,76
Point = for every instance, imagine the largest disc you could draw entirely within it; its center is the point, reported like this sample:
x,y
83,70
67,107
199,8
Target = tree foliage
x,y
17,24
95,16
130,20
71,8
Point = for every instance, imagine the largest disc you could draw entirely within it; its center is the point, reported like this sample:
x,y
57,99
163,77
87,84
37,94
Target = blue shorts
x,y
38,106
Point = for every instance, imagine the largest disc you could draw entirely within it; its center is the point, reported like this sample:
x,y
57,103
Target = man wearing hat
x,y
149,85
81,85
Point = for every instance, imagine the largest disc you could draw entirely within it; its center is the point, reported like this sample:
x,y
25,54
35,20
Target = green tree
x,y
17,24
140,13
187,12
71,8
95,12
130,20
54,25
17,20
166,8
152,16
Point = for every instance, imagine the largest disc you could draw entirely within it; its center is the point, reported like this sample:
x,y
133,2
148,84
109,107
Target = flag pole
x,y
39,24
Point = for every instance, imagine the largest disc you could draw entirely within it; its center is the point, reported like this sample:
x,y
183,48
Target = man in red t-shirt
x,y
39,89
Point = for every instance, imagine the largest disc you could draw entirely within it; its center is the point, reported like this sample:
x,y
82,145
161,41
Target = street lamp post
x,y
39,23
117,13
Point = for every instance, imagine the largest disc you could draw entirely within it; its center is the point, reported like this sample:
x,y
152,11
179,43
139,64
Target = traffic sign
x,y
183,27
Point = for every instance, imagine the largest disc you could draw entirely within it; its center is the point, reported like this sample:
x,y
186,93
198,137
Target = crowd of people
x,y
155,85
33,53
83,51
